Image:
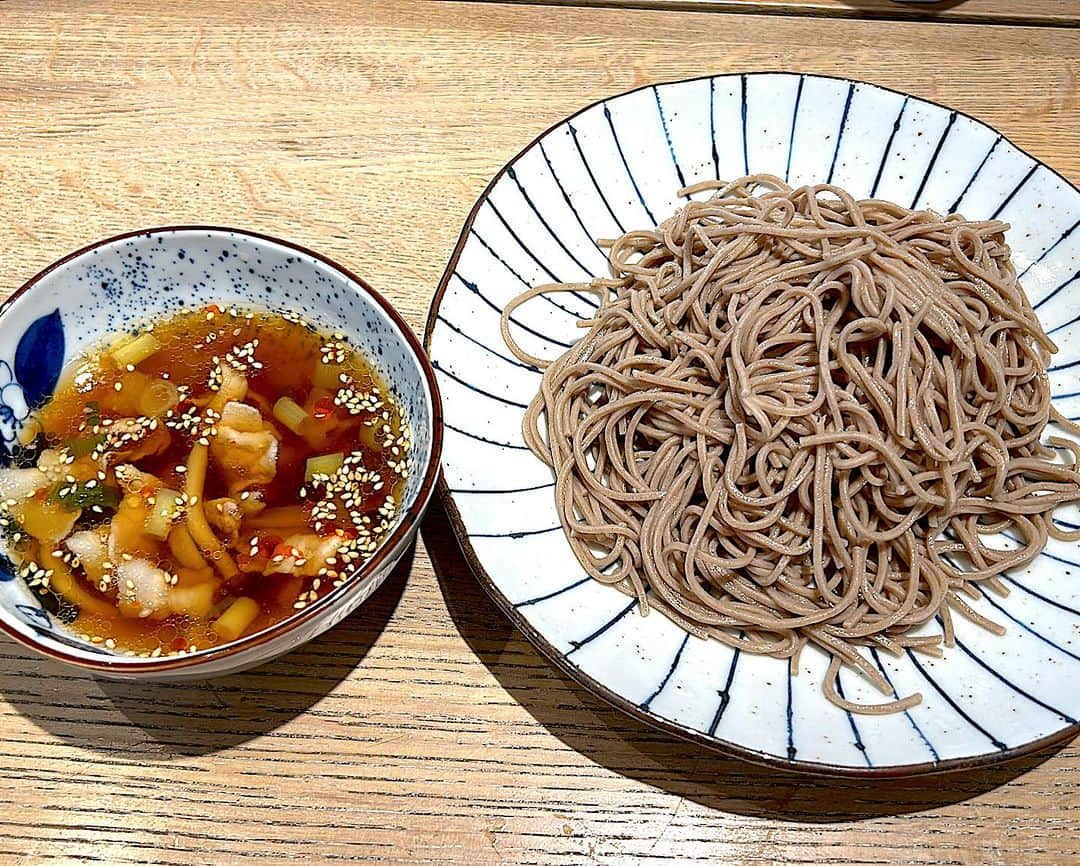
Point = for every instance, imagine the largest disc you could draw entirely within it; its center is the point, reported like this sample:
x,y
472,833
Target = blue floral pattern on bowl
x,y
14,409
39,358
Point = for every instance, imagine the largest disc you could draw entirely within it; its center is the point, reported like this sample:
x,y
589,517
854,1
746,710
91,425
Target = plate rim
x,y
557,658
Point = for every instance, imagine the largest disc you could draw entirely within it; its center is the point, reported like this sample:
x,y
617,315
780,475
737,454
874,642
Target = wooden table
x,y
424,729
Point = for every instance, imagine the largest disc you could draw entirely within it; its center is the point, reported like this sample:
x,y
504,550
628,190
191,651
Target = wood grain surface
x,y
423,729
1059,13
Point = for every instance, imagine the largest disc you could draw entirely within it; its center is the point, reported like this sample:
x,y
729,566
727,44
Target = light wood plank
x,y
424,729
1059,13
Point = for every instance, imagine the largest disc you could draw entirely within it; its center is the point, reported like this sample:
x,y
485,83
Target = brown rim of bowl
x,y
559,660
388,545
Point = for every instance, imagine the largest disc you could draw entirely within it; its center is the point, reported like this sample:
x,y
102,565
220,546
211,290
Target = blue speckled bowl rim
x,y
557,658
389,544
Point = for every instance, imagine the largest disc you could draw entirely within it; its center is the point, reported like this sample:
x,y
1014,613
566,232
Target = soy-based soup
x,y
203,478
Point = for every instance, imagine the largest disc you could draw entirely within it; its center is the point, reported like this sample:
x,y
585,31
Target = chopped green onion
x,y
291,414
158,398
93,413
236,618
135,351
327,376
74,496
324,464
85,444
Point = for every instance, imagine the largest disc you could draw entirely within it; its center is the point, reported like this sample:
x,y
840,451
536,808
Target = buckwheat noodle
x,y
801,418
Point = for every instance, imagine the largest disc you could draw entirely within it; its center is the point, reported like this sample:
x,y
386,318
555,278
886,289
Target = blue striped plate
x,y
616,165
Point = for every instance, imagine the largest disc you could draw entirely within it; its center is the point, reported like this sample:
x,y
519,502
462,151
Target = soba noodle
x,y
798,418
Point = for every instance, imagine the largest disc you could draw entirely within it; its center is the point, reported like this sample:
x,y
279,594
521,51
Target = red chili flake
x,y
323,408
268,544
213,308
178,643
283,550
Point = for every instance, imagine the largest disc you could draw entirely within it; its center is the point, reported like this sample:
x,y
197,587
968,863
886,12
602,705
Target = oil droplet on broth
x,y
288,353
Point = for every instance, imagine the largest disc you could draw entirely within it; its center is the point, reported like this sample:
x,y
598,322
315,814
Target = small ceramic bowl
x,y
115,283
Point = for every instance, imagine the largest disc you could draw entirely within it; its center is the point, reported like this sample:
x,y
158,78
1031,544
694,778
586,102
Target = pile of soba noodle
x,y
797,418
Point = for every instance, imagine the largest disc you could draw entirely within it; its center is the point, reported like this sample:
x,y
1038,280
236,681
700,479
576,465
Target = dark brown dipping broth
x,y
192,346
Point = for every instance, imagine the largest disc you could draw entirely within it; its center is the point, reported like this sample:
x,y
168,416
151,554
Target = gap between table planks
x,y
1052,13
424,729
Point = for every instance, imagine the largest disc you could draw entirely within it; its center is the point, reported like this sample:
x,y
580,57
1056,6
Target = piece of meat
x,y
142,589
308,553
225,515
91,547
21,483
129,440
134,480
246,455
233,386
52,462
242,417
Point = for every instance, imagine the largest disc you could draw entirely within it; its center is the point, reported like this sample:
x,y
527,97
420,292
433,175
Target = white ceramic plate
x,y
617,165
